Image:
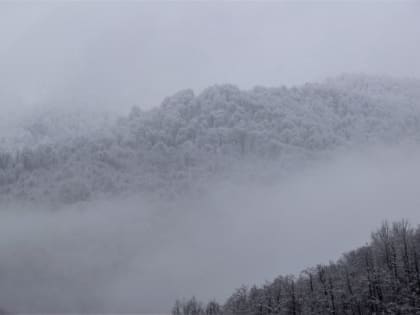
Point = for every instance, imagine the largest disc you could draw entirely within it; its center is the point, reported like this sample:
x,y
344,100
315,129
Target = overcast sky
x,y
136,53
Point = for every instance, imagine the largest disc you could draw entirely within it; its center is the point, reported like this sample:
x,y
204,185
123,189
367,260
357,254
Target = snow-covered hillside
x,y
73,157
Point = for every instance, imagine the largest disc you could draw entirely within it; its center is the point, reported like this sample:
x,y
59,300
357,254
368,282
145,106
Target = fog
x,y
138,255
116,55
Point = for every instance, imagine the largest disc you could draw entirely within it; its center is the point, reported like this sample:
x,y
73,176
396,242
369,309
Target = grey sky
x,y
120,54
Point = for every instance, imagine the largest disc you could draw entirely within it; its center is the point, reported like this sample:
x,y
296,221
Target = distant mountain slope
x,y
53,125
191,137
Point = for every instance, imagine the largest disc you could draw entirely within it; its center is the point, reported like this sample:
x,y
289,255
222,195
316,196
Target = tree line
x,y
382,277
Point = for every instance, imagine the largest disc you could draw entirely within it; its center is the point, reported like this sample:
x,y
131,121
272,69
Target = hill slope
x,y
191,138
382,277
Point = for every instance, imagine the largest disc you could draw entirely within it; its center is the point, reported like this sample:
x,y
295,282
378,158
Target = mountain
x,y
190,138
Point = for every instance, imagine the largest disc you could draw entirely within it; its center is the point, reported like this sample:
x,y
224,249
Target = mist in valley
x,y
138,255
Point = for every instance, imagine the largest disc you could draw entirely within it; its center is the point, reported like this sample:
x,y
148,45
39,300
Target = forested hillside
x,y
188,138
382,277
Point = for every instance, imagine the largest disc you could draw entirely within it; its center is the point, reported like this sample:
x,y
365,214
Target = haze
x,y
119,54
122,238
137,255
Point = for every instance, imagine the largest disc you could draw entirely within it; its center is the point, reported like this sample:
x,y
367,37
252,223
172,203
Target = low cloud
x,y
135,254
